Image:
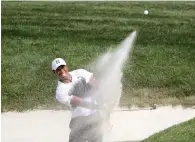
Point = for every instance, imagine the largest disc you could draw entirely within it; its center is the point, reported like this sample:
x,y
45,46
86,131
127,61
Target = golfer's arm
x,y
92,81
77,101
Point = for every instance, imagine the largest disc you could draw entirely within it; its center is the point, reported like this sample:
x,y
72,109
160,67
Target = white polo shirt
x,y
63,96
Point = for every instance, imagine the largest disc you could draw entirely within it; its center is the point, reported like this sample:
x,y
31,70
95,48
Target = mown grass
x,y
184,132
34,33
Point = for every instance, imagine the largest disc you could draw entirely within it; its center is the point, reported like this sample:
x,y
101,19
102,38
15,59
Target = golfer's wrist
x,y
75,100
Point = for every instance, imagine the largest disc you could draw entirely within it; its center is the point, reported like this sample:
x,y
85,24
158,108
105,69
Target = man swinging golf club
x,y
73,90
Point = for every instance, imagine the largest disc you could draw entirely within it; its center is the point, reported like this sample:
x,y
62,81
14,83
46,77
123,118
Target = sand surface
x,y
52,126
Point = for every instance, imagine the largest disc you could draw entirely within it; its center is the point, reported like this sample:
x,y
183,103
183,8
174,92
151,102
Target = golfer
x,y
86,121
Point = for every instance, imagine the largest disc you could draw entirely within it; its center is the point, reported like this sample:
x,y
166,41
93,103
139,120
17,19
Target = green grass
x,y
34,33
184,132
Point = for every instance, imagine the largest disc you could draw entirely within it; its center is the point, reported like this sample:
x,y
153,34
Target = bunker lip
x,y
52,125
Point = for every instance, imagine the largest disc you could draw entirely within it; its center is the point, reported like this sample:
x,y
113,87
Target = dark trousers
x,y
86,129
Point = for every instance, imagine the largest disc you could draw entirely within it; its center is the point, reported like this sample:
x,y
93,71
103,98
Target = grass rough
x,y
184,132
34,33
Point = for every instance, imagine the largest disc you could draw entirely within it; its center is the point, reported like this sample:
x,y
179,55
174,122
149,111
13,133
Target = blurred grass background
x,y
160,70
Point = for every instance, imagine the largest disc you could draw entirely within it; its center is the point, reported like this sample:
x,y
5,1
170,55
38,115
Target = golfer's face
x,y
62,72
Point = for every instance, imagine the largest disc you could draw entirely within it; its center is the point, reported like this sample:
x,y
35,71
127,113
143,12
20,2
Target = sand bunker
x,y
52,126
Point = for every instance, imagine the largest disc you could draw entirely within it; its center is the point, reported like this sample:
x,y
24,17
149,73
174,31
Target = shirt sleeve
x,y
63,96
86,74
